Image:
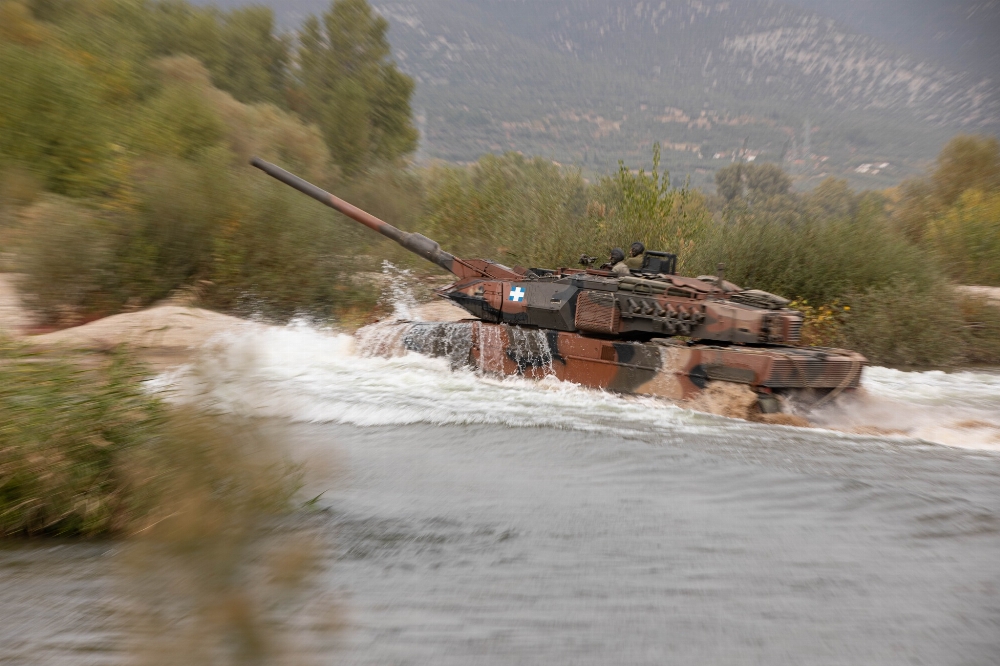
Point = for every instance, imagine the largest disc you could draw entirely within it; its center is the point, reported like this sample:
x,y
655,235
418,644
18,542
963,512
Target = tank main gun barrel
x,y
416,243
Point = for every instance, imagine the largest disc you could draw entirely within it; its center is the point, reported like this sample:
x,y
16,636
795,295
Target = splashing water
x,y
398,291
305,374
957,409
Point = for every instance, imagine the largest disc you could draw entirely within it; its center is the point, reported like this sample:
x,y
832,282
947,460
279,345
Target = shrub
x,y
64,435
508,208
629,207
981,330
901,324
86,450
966,237
64,255
818,261
282,256
51,120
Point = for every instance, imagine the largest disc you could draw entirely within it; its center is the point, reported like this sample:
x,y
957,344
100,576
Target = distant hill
x,y
588,82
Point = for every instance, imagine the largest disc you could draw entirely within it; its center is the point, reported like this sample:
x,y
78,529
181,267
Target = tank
x,y
651,332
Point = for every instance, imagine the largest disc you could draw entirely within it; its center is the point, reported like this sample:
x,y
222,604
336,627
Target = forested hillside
x,y
589,82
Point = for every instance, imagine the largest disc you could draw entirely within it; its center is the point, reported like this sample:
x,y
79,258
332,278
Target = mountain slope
x,y
589,82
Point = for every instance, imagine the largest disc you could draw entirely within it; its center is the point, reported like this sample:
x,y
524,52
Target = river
x,y
478,520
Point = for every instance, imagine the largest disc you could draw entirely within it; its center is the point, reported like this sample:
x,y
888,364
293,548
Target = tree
x,y
765,181
351,88
832,199
967,162
729,182
51,121
254,63
756,182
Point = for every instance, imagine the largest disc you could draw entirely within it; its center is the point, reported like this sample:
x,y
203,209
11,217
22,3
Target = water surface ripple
x,y
485,521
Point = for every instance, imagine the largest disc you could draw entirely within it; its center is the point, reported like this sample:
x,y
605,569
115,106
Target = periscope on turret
x,y
650,331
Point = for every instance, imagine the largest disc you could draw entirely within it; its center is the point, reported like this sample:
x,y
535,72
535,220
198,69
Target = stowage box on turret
x,y
650,332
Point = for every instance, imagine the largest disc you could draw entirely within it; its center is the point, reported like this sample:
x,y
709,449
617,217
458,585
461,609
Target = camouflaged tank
x,y
651,332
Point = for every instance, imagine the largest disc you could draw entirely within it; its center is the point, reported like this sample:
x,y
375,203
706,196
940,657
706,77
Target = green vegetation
x,y
351,90
85,450
127,125
65,437
954,212
135,122
863,282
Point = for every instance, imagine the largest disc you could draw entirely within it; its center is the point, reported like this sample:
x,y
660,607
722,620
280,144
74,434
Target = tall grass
x,y
821,261
510,209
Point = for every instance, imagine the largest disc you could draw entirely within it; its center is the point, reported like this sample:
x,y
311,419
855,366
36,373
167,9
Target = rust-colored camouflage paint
x,y
661,367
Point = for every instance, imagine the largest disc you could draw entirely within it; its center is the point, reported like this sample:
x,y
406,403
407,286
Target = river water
x,y
478,520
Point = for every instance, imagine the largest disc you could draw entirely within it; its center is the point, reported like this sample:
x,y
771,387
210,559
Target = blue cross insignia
x,y
516,295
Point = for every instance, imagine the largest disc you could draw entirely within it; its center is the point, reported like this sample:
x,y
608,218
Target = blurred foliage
x,y
213,576
80,76
65,435
138,113
86,450
903,324
966,237
954,212
64,255
981,330
51,119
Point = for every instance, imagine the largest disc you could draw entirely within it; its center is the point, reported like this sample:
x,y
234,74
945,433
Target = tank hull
x,y
662,367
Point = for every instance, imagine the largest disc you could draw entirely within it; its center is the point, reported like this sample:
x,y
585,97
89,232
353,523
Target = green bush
x,y
510,209
167,240
966,237
981,330
51,120
86,450
903,325
65,433
954,212
818,261
282,256
640,206
64,255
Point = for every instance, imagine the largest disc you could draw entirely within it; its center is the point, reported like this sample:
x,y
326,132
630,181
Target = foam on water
x,y
307,374
956,409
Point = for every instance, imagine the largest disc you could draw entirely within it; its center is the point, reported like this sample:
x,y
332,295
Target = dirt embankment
x,y
162,335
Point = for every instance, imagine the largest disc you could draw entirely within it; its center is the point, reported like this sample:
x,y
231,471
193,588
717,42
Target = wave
x,y
303,373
